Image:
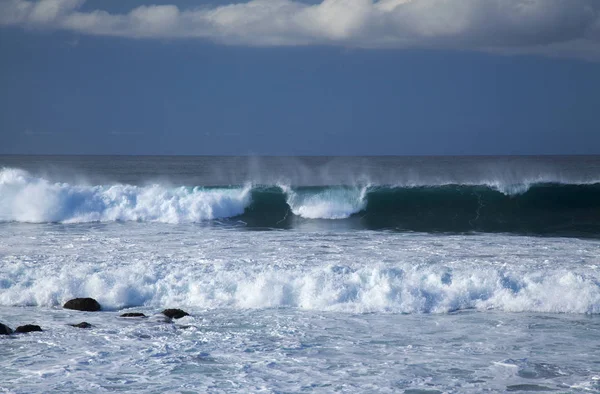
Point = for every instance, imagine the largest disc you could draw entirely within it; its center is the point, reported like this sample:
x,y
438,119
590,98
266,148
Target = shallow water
x,y
291,350
135,264
291,311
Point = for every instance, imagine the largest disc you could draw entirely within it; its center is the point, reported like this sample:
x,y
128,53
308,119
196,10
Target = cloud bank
x,y
549,27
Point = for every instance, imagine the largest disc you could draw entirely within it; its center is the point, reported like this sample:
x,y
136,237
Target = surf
x,y
24,198
543,208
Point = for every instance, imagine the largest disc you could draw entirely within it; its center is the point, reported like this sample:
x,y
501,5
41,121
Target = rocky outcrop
x,y
175,313
133,314
27,328
83,304
5,330
83,324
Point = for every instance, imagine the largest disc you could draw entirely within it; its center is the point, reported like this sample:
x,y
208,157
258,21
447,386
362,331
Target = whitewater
x,y
332,275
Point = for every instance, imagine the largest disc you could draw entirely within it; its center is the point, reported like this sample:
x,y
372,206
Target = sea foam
x,y
379,288
25,198
331,203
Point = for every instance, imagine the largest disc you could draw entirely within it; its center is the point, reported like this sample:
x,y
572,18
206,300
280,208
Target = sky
x,y
282,77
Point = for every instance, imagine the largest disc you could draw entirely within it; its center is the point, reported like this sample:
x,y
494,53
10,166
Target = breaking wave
x,y
29,199
536,208
401,289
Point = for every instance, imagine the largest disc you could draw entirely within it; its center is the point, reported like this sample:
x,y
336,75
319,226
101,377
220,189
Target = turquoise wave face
x,y
544,209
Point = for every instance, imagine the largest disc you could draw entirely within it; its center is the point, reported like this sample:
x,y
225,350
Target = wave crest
x,y
330,203
24,198
538,208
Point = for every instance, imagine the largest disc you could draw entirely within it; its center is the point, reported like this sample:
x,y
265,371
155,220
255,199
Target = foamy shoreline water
x,y
297,310
124,265
290,350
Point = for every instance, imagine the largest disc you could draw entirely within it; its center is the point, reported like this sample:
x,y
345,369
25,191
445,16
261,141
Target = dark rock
x,y
133,314
528,387
174,313
5,330
83,304
27,328
83,324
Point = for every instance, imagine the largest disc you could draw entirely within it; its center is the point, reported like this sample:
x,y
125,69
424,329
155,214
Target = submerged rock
x,y
133,314
160,318
83,304
5,330
83,324
27,328
174,313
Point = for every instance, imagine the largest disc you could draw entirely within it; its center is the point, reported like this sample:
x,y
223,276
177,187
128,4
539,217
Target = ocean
x,y
301,274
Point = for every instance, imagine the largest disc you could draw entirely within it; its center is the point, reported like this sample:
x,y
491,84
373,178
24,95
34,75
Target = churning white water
x,y
297,310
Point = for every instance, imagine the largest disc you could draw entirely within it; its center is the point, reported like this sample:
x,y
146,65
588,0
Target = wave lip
x,y
326,203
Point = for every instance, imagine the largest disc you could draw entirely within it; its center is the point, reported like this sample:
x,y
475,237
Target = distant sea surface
x,y
302,274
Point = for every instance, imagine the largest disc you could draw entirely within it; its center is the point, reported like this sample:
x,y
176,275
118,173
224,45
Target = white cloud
x,y
550,27
48,11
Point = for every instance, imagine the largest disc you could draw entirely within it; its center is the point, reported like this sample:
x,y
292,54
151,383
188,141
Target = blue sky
x,y
279,77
